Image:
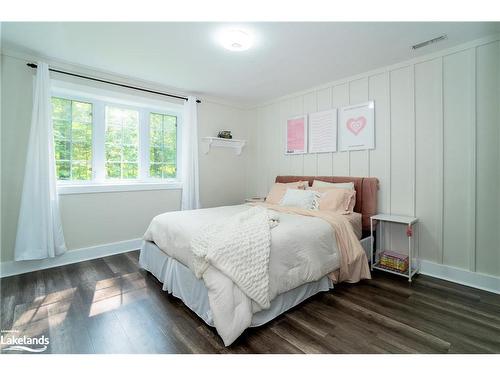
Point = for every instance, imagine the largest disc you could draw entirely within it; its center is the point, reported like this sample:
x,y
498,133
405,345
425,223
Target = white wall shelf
x,y
236,144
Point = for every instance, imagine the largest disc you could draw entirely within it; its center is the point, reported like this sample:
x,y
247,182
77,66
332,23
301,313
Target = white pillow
x,y
337,185
307,199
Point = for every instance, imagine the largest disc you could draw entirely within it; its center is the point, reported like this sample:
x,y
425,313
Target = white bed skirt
x,y
181,282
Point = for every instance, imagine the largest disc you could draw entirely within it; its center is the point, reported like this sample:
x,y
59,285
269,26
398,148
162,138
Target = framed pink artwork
x,y
296,135
357,127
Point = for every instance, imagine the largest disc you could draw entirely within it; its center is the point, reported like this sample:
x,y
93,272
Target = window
x,y
105,142
163,145
72,121
122,143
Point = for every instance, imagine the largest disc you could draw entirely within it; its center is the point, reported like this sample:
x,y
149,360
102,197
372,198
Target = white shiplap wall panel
x,y
488,160
380,157
340,160
264,150
259,158
310,160
359,160
402,117
401,139
429,178
458,215
276,137
325,159
285,111
251,149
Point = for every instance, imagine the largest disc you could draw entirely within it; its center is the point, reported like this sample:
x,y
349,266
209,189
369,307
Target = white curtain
x,y
39,229
189,170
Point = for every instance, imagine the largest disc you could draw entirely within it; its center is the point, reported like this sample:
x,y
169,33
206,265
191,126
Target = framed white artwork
x,y
357,127
296,135
323,131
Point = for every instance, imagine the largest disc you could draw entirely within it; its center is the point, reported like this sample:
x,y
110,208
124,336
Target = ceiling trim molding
x,y
431,56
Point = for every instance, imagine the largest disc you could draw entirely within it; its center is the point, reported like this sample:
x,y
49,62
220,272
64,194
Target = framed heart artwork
x,y
357,127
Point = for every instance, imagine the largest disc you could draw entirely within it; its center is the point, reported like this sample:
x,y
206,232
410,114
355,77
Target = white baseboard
x,y
72,256
461,276
440,271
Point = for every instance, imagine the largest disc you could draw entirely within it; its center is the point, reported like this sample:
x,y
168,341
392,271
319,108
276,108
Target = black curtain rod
x,y
31,65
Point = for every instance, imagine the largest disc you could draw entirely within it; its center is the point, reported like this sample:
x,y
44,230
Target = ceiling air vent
x,y
430,41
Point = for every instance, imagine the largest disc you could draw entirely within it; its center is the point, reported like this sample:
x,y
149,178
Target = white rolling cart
x,y
413,256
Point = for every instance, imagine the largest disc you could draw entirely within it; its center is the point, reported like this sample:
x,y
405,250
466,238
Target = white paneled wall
x,y
487,159
458,111
429,156
437,149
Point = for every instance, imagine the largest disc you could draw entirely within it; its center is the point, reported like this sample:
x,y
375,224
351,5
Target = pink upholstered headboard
x,y
366,192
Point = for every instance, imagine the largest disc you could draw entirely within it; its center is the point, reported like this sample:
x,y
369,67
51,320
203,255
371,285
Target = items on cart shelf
x,y
394,261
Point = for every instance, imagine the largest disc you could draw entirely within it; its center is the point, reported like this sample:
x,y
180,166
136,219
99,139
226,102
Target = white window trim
x,y
99,99
89,188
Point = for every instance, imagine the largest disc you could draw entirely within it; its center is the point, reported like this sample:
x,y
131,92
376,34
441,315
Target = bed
x,y
306,256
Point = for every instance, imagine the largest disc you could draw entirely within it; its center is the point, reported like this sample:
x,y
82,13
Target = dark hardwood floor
x,y
109,305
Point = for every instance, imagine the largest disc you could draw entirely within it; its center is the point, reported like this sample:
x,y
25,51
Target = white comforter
x,y
303,249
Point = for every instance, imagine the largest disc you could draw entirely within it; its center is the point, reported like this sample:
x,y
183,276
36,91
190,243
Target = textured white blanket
x,y
239,247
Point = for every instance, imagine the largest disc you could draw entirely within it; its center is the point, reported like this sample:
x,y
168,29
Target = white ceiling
x,y
286,57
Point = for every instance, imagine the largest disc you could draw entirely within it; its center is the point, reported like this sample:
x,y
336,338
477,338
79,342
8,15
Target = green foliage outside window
x,y
163,145
72,125
122,143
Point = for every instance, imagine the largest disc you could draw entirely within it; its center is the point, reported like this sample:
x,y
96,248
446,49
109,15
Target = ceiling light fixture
x,y
236,40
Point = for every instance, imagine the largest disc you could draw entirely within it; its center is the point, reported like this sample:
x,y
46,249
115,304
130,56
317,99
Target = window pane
x,y
62,129
163,145
169,155
81,132
81,170
61,109
113,116
155,136
130,118
129,153
155,170
121,143
62,150
113,170
113,152
156,119
63,170
130,135
114,134
72,124
170,170
81,151
129,170
82,112
155,154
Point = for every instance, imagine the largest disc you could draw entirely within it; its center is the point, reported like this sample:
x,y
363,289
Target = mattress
x,y
179,280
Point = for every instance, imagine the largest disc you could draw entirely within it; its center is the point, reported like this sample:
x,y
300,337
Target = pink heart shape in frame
x,y
356,125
